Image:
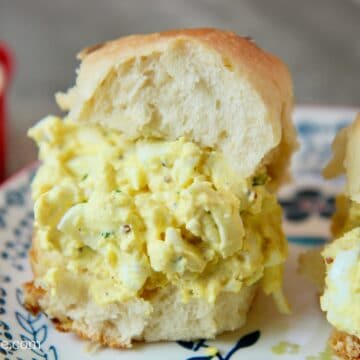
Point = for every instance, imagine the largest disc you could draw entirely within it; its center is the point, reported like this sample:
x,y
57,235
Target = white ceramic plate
x,y
268,335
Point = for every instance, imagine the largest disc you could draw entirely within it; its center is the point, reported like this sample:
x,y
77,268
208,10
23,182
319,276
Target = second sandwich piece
x,y
341,298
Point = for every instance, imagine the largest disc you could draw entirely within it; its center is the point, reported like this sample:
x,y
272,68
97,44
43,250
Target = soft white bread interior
x,y
218,89
161,316
346,159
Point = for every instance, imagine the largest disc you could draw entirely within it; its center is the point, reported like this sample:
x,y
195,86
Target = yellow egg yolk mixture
x,y
119,218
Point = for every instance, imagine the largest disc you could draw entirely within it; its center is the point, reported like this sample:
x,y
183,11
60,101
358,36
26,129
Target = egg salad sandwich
x,y
155,205
341,298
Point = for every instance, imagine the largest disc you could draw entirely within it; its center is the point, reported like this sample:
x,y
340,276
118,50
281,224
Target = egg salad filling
x,y
117,218
341,298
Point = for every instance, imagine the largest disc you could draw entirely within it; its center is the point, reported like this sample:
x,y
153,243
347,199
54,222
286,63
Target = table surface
x,y
319,40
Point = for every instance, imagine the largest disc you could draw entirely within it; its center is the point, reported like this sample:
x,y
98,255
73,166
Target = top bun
x,y
346,159
216,88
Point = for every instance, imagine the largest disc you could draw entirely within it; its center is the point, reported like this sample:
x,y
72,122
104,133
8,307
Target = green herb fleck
x,y
260,179
84,177
118,191
106,234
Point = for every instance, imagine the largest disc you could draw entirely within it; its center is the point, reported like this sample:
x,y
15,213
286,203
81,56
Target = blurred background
x,y
319,40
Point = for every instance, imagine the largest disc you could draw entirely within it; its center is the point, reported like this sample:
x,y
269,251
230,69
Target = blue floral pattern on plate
x,y
244,341
14,246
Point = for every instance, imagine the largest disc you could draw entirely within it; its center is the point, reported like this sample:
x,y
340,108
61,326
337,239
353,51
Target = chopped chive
x,y
260,179
106,234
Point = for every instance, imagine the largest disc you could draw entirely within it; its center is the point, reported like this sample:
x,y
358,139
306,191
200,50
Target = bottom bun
x,y
161,316
345,346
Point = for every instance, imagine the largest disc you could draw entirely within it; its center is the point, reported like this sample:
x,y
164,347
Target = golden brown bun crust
x,y
267,76
345,346
240,51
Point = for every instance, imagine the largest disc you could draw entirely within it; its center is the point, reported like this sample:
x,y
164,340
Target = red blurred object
x,y
6,68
